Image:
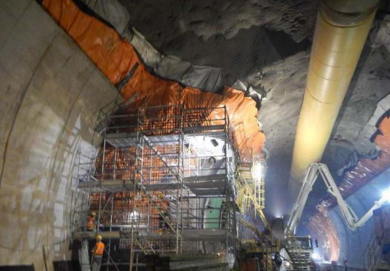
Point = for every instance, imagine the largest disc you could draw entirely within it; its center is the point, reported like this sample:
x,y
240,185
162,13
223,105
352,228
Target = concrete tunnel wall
x,y
50,96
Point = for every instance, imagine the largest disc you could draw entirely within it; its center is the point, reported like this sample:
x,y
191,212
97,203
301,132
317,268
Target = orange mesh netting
x,y
118,60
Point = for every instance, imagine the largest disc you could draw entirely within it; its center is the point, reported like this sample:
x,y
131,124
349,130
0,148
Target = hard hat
x,y
161,196
98,237
93,214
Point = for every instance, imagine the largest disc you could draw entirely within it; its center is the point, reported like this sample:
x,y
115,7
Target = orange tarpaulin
x,y
119,61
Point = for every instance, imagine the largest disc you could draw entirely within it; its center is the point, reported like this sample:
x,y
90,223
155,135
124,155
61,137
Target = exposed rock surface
x,y
285,83
238,36
46,116
168,19
266,44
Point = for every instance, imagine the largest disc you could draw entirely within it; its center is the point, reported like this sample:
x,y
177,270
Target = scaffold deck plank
x,y
203,128
120,185
122,140
187,235
205,178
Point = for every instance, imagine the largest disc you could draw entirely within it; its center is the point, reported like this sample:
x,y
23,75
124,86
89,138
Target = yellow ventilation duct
x,y
341,31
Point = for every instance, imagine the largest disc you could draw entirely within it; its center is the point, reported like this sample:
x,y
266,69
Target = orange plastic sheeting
x,y
242,113
114,56
143,83
241,110
117,58
383,139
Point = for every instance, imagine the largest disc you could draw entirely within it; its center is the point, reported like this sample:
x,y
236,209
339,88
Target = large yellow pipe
x,y
341,31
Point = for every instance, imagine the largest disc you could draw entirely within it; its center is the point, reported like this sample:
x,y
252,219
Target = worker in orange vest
x,y
91,222
97,254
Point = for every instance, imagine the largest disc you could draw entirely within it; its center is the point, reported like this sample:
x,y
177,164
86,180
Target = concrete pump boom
x,y
349,215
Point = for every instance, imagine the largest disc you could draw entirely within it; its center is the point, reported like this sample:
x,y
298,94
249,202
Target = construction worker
x,y
277,260
91,222
345,263
97,254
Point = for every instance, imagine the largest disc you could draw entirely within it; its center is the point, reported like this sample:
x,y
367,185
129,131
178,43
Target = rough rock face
x,y
239,36
284,83
47,117
266,44
257,42
169,19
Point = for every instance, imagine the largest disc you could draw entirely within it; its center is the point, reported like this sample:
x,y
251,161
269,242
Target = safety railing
x,y
166,158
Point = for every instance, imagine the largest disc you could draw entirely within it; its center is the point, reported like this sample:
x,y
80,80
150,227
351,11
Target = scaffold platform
x,y
153,176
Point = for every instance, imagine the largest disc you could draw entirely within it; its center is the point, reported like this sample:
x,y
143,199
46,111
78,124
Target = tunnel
x,y
194,135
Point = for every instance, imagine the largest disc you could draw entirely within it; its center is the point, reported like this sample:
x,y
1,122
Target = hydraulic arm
x,y
349,215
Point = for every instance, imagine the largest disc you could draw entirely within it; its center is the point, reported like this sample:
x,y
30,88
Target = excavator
x,y
297,251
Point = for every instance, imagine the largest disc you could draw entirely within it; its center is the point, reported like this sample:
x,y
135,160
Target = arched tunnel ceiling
x,y
266,44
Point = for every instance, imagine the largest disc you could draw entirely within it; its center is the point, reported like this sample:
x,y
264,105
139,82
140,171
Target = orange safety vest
x,y
166,204
91,223
99,248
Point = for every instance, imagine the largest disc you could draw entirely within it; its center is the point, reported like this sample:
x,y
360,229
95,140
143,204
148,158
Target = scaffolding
x,y
250,186
152,177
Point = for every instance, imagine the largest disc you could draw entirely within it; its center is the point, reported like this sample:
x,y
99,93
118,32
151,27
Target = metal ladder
x,y
178,173
142,141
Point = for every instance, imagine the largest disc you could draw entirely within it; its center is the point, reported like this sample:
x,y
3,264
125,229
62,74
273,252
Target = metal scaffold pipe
x,y
341,31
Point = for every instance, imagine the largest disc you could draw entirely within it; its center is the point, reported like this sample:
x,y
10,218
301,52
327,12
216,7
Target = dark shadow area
x,y
249,50
285,45
66,266
17,268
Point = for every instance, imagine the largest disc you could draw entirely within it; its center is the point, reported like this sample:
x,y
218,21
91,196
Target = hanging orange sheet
x,y
119,61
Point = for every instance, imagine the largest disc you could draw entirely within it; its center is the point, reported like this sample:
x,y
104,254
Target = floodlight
x,y
257,171
315,256
386,195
